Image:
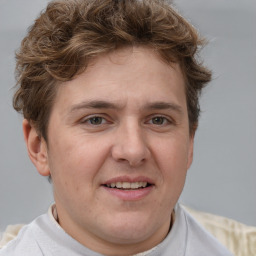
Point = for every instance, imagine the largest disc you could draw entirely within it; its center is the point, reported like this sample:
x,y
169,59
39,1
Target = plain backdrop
x,y
222,179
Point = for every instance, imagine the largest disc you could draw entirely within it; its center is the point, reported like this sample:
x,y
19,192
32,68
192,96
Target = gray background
x,y
223,175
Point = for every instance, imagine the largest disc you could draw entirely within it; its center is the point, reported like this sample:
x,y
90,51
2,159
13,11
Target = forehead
x,y
136,57
136,74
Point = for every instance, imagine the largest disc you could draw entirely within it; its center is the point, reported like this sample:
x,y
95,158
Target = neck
x,y
122,248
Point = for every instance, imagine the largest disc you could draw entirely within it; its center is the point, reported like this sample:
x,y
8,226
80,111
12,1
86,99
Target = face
x,y
118,151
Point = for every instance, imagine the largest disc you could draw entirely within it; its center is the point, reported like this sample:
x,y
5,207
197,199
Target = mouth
x,y
128,185
129,188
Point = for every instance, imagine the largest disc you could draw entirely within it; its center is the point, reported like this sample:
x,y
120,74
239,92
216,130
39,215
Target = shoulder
x,y
188,238
9,234
44,236
22,244
22,239
240,239
199,240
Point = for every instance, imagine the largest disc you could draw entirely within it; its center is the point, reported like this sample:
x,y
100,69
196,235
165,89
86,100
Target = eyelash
x,y
165,120
90,119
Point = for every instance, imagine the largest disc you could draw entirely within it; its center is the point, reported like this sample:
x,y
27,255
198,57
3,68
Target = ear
x,y
37,148
190,150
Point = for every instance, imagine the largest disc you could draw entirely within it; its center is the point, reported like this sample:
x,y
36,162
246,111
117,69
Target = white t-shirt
x,y
44,236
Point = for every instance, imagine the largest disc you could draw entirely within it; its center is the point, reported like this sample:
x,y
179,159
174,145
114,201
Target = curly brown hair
x,y
69,33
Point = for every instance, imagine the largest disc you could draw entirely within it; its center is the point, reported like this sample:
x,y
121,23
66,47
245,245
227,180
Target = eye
x,y
159,120
94,120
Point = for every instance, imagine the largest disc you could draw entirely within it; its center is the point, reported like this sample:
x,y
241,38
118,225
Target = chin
x,y
132,228
128,237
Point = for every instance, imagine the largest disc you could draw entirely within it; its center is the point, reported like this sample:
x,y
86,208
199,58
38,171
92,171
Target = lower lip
x,y
130,195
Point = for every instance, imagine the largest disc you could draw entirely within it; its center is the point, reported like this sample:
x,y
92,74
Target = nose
x,y
130,145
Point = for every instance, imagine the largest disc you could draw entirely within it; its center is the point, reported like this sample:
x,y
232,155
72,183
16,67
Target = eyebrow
x,y
102,104
99,104
163,105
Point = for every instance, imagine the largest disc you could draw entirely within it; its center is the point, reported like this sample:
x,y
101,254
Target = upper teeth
x,y
128,185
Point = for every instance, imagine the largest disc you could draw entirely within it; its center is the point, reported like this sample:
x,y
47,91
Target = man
x,y
109,92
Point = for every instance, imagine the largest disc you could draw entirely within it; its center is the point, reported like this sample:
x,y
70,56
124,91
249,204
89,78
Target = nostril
x,y
131,149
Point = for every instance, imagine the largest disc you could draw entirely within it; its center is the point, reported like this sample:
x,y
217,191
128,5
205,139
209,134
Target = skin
x,y
125,118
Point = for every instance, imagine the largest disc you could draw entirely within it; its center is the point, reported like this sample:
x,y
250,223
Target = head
x,y
69,34
109,91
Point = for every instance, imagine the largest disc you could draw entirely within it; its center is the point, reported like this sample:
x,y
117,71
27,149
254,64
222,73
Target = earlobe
x,y
37,148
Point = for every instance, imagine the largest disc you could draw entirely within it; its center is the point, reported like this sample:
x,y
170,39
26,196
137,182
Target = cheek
x,y
172,159
71,174
173,152
75,160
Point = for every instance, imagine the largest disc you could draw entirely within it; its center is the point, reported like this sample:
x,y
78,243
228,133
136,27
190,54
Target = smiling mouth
x,y
128,185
